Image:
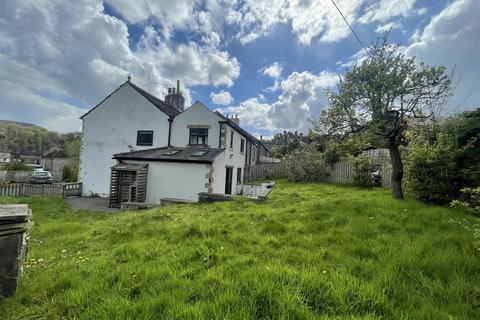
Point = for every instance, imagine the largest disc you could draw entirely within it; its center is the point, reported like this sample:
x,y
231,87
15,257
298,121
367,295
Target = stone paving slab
x,y
89,203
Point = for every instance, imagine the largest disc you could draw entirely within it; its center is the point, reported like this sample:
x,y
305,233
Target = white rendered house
x,y
128,119
158,150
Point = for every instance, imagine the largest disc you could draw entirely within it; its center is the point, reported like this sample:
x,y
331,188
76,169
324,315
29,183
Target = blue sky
x,y
267,61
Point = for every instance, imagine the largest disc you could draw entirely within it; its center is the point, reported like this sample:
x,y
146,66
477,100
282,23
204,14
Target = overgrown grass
x,y
311,251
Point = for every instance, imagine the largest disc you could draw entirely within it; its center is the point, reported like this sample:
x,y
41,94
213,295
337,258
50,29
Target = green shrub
x,y
70,173
431,171
17,166
469,201
362,176
305,164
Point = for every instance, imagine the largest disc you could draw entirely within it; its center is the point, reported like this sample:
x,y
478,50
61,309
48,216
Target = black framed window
x,y
231,140
242,145
144,138
198,136
239,175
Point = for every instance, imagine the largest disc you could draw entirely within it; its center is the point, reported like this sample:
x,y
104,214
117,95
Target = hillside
x,y
21,137
10,123
370,257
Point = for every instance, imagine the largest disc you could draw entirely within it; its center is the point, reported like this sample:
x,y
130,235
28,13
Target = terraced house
x,y
137,147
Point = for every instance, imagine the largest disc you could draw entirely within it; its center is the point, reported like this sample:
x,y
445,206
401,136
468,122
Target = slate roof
x,y
56,154
132,167
167,154
157,102
239,129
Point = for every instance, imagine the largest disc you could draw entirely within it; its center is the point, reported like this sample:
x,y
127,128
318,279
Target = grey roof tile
x,y
185,154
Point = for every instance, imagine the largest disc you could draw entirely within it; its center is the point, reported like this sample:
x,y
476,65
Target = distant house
x,y
5,157
54,160
29,158
137,147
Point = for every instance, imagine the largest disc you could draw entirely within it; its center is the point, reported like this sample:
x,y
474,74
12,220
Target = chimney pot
x,y
175,98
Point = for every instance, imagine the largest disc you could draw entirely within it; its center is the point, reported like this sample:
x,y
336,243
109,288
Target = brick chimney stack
x,y
236,119
175,98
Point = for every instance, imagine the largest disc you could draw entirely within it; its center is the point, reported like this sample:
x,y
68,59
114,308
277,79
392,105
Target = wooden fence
x,y
27,189
15,176
265,171
24,176
341,172
344,170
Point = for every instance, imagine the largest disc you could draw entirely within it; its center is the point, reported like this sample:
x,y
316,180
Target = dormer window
x,y
198,136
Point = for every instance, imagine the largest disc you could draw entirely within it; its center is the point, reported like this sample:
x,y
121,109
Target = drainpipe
x,y
170,120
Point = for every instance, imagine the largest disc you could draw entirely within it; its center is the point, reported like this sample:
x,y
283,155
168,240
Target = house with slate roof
x,y
54,159
139,148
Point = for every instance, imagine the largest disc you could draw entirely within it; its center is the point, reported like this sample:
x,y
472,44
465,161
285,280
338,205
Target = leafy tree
x,y
431,169
465,127
379,96
70,173
444,158
362,176
25,139
73,149
16,166
305,163
342,148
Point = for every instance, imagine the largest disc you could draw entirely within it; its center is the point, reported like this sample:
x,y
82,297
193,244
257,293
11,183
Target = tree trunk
x,y
397,170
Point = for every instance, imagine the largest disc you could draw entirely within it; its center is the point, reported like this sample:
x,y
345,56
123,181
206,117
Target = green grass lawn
x,y
310,251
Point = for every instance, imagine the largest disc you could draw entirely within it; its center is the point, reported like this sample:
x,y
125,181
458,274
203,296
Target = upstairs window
x,y
198,136
242,145
231,140
144,138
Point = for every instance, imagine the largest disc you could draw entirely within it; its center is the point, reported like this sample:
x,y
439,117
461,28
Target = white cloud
x,y
388,26
223,98
415,36
384,10
273,71
422,11
356,58
170,14
310,19
451,40
60,51
302,97
194,64
55,115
